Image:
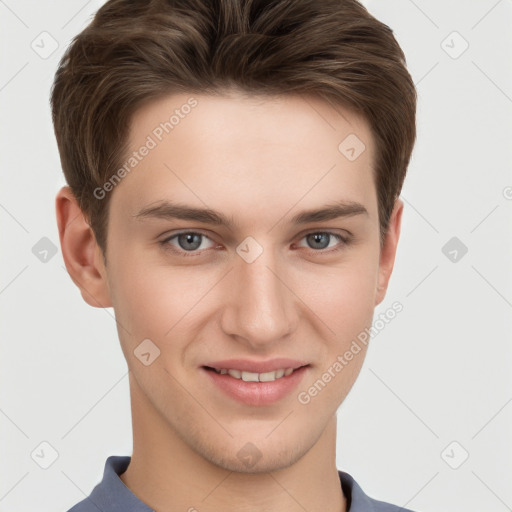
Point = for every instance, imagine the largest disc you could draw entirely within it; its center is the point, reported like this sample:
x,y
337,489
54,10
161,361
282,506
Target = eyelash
x,y
344,241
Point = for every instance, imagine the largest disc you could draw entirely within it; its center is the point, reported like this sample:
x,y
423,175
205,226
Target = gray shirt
x,y
111,495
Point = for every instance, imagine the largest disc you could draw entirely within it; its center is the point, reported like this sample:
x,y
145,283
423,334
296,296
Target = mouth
x,y
255,388
247,376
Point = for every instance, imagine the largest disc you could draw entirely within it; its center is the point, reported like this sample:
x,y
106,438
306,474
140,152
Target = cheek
x,y
344,296
156,301
344,303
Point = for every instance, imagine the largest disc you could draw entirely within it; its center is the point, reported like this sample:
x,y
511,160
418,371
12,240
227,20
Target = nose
x,y
259,310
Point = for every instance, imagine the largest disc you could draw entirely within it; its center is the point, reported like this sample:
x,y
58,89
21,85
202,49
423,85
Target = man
x,y
234,170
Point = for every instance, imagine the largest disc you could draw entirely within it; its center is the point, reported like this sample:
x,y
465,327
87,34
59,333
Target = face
x,y
264,279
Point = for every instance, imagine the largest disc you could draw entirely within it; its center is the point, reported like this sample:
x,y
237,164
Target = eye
x,y
191,242
187,242
320,240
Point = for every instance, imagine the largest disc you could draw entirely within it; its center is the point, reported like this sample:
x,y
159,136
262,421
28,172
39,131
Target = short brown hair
x,y
134,51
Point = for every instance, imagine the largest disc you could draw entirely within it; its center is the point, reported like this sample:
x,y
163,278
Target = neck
x,y
168,475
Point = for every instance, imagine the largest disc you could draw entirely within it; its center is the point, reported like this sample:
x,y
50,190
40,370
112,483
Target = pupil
x,y
317,239
189,237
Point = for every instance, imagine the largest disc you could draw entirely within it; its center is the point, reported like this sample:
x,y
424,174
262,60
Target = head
x,y
257,112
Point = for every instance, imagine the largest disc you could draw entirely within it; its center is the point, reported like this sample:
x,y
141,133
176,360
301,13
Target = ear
x,y
82,255
388,251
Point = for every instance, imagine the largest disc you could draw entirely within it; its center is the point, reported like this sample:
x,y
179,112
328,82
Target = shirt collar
x,y
112,495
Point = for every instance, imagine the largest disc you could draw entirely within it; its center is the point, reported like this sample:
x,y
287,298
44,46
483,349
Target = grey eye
x,y
319,240
189,241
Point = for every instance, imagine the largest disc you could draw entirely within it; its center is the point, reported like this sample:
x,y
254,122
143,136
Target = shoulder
x,y
110,494
359,501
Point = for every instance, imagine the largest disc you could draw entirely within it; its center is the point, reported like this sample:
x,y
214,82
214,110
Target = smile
x,y
256,388
255,377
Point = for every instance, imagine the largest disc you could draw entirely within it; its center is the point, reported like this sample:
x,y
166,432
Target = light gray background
x,y
438,373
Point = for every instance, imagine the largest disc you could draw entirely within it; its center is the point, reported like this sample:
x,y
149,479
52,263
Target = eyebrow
x,y
168,210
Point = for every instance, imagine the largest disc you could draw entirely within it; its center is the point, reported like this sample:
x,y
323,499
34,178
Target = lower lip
x,y
257,393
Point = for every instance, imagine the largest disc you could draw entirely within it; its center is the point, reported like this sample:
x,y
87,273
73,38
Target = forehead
x,y
223,116
233,150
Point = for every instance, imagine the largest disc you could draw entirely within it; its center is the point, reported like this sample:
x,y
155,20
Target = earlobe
x,y
81,253
388,251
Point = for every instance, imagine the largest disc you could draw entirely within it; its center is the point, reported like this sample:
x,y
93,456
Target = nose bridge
x,y
260,308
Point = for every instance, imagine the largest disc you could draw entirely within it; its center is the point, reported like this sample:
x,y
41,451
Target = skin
x,y
259,161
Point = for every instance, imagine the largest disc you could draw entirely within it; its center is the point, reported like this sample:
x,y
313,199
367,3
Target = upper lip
x,y
246,365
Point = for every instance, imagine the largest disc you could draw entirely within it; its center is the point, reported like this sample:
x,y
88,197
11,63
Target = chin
x,y
262,455
262,460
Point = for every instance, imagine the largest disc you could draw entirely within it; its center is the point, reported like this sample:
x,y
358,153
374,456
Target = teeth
x,y
250,377
267,377
255,377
